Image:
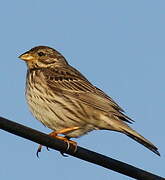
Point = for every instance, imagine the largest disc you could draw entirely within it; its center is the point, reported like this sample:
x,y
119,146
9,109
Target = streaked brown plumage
x,y
61,97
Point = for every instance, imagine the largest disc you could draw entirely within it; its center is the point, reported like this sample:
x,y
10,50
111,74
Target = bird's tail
x,y
140,139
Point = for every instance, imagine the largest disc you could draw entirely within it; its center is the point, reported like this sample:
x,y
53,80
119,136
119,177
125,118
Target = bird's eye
x,y
41,54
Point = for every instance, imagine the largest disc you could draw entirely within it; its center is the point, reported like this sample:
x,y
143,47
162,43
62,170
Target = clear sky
x,y
120,46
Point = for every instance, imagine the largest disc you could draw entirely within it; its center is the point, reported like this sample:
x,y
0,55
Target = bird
x,y
65,101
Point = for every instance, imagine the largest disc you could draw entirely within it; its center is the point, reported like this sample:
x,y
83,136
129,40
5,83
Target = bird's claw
x,y
39,150
64,155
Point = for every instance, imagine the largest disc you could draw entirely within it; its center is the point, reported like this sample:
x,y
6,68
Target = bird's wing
x,y
75,85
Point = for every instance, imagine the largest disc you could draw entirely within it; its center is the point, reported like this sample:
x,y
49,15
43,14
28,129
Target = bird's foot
x,y
70,143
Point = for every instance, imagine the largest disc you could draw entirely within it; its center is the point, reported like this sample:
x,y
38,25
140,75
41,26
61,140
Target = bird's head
x,y
43,57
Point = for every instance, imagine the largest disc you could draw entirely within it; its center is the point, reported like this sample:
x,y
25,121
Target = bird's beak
x,y
26,56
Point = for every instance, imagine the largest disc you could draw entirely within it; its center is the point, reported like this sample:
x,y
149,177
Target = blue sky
x,y
119,45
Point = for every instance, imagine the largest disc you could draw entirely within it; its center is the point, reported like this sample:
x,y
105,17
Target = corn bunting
x,y
65,101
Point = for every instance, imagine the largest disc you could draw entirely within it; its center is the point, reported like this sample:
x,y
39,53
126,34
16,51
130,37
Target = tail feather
x,y
140,139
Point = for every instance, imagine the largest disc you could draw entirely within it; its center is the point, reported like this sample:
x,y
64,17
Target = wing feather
x,y
72,83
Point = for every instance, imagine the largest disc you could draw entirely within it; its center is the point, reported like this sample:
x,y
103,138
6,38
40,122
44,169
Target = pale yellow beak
x,y
26,57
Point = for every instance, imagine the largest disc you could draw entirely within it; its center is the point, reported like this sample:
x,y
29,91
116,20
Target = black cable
x,y
81,153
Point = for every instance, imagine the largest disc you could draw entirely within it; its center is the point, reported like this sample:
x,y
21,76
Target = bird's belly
x,y
57,116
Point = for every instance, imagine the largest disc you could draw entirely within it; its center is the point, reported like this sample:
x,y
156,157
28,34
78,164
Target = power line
x,y
81,153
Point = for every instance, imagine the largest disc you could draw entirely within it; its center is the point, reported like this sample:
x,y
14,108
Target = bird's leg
x,y
63,131
54,134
